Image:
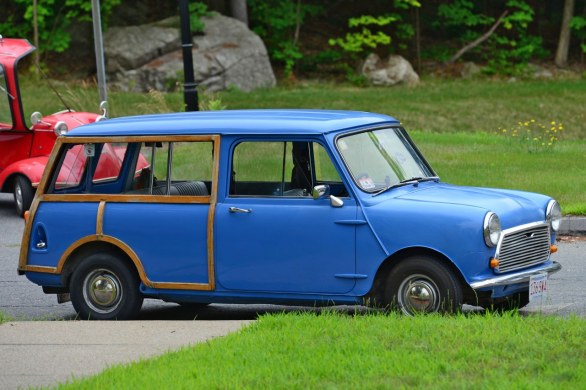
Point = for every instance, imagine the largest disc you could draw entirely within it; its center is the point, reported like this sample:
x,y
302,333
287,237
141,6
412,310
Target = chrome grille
x,y
523,247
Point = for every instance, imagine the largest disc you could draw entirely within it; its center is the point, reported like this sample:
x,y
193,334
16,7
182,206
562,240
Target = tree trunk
x,y
239,11
561,55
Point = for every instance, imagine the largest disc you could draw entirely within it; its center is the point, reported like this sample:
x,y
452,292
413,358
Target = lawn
x,y
465,128
300,351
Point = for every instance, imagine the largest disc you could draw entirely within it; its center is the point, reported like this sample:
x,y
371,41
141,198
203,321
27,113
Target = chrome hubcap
x,y
102,291
418,294
18,196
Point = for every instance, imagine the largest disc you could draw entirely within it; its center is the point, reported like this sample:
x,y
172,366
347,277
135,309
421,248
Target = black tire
x,y
103,287
23,193
510,303
421,284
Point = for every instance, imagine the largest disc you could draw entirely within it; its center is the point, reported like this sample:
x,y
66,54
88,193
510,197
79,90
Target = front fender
x,y
31,168
454,231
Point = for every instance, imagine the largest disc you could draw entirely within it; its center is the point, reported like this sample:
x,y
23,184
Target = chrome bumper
x,y
517,277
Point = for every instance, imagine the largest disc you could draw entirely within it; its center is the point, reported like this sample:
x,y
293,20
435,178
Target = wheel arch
x,y
30,168
376,294
79,250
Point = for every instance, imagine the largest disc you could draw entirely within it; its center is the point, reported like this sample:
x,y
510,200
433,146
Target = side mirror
x,y
322,191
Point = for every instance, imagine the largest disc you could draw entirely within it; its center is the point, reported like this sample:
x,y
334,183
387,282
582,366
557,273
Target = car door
x,y
271,235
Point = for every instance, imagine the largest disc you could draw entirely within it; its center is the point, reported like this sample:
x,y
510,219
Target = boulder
x,y
395,70
227,55
130,47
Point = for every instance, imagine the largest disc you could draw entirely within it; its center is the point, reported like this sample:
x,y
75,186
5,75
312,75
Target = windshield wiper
x,y
405,182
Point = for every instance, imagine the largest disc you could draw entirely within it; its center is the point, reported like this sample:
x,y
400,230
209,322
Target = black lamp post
x,y
189,86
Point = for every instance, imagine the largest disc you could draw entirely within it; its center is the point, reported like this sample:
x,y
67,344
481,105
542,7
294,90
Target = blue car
x,y
303,207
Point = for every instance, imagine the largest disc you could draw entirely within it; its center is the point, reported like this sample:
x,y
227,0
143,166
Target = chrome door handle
x,y
41,245
239,210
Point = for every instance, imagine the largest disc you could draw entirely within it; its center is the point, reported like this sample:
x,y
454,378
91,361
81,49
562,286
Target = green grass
x,y
4,318
489,160
299,351
456,124
434,106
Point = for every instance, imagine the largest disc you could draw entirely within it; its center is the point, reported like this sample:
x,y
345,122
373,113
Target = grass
x,y
4,318
456,124
486,160
299,351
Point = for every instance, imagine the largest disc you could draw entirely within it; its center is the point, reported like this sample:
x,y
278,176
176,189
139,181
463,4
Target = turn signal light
x,y
494,263
26,216
553,249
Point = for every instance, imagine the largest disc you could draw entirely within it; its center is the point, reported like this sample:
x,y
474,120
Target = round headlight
x,y
60,128
492,229
554,215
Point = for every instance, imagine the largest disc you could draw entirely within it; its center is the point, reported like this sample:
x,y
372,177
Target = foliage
x,y
54,18
276,22
578,25
536,136
196,11
366,40
505,52
356,42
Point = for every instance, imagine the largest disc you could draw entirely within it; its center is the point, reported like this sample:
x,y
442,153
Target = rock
x,y
131,47
395,70
228,54
538,72
470,70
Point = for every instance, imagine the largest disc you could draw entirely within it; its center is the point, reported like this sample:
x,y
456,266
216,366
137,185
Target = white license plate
x,y
538,287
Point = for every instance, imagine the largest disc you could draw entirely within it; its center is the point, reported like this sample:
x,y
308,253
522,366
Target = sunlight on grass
x,y
332,350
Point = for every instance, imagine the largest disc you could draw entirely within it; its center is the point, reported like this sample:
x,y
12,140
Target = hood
x,y
513,207
73,119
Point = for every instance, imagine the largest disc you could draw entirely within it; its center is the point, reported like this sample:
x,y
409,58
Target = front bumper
x,y
516,277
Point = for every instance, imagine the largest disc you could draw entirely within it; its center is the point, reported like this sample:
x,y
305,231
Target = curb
x,y
573,226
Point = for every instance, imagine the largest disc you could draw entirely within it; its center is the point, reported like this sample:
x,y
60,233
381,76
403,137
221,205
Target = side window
x,y
104,160
281,168
109,162
174,168
72,167
324,168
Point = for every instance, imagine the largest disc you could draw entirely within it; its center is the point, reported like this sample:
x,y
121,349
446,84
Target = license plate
x,y
538,288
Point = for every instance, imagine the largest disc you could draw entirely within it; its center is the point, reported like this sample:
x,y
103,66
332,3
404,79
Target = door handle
x,y
239,210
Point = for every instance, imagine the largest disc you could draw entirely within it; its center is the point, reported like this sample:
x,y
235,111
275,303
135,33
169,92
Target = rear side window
x,y
136,168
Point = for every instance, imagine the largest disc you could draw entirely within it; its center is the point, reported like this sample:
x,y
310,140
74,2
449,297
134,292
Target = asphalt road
x,y
22,300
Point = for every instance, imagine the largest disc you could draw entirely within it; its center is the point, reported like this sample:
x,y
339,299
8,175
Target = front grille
x,y
523,247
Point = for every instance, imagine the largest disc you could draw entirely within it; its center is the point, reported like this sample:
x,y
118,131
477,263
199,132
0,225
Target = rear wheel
x,y
103,287
423,285
23,194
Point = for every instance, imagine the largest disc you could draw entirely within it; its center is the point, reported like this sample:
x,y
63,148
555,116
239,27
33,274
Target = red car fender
x,y
31,168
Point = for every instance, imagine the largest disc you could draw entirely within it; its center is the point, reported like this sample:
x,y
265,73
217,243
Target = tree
x,y
239,11
561,55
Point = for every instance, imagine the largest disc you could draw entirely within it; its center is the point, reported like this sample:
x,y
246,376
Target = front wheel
x,y
103,287
23,194
423,285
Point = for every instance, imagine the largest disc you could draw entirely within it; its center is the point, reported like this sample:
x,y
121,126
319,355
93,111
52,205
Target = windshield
x,y
381,158
5,112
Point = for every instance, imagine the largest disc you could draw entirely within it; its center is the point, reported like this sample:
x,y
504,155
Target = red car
x,y
24,150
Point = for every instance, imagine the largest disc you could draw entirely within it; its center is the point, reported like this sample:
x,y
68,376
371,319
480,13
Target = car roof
x,y
261,122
